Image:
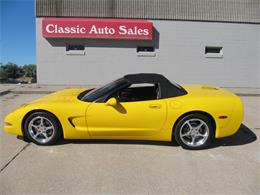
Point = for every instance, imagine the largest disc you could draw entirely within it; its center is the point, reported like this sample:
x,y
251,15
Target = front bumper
x,y
13,123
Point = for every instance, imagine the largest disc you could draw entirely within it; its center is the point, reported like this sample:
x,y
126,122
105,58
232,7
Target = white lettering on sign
x,y
97,28
132,31
102,31
51,28
122,30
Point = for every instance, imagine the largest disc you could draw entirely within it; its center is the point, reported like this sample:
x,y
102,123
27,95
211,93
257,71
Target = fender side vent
x,y
70,121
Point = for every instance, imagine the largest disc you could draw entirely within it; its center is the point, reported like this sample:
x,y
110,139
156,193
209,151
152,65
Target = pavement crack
x,y
14,157
2,93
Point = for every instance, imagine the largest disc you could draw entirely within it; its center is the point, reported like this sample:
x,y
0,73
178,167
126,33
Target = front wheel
x,y
42,128
194,131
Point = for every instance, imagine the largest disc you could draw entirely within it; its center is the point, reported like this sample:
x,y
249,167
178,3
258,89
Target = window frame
x,y
158,96
118,84
213,54
75,51
145,53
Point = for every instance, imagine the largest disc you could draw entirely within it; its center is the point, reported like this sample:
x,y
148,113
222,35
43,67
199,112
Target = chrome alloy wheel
x,y
41,129
194,132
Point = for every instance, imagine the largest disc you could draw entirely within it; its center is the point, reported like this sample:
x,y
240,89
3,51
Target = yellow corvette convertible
x,y
136,106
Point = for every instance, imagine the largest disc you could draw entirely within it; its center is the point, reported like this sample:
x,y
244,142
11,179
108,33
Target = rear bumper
x,y
234,122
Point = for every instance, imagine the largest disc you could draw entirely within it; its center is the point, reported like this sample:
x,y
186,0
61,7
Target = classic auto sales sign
x,y
96,28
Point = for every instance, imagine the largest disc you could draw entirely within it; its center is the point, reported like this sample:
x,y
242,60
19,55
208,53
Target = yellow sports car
x,y
136,106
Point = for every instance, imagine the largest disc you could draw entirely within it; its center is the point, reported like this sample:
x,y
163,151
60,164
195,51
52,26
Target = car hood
x,y
61,96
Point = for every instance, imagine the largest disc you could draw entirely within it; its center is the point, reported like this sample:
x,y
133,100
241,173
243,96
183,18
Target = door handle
x,y
155,106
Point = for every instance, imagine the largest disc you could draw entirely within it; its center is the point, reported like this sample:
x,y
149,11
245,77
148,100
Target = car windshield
x,y
94,94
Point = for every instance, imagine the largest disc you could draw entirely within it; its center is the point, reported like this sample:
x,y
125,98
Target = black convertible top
x,y
168,89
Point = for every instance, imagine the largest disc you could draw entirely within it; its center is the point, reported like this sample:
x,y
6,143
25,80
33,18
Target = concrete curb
x,y
25,92
4,92
248,94
31,92
52,91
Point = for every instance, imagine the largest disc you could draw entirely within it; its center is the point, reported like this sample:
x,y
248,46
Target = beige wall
x,y
179,56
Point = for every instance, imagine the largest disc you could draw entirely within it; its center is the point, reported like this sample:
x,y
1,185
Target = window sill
x,y
146,54
75,52
213,55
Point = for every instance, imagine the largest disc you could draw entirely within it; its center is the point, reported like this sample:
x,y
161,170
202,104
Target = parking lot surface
x,y
230,166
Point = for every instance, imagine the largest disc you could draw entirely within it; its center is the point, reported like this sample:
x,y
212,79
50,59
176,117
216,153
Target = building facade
x,y
189,41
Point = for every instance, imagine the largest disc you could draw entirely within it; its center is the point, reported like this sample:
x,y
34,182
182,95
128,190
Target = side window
x,y
138,92
75,49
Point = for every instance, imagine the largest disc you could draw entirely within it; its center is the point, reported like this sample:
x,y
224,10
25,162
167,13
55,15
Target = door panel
x,y
126,119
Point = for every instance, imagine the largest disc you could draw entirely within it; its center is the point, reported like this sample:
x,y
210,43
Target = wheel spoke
x,y
34,126
48,128
188,123
185,134
45,135
36,134
41,123
193,140
199,126
201,134
187,130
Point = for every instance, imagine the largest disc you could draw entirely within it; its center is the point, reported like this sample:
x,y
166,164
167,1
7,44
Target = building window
x,y
146,51
213,52
75,49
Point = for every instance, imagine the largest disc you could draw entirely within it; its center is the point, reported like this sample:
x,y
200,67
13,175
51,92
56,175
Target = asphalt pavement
x,y
230,166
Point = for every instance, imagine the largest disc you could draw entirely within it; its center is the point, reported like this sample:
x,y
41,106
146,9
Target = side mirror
x,y
111,102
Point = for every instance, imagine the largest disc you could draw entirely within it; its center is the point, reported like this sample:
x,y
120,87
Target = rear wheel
x,y
194,131
42,128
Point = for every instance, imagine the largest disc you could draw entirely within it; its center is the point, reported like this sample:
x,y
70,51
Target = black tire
x,y
49,121
203,135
